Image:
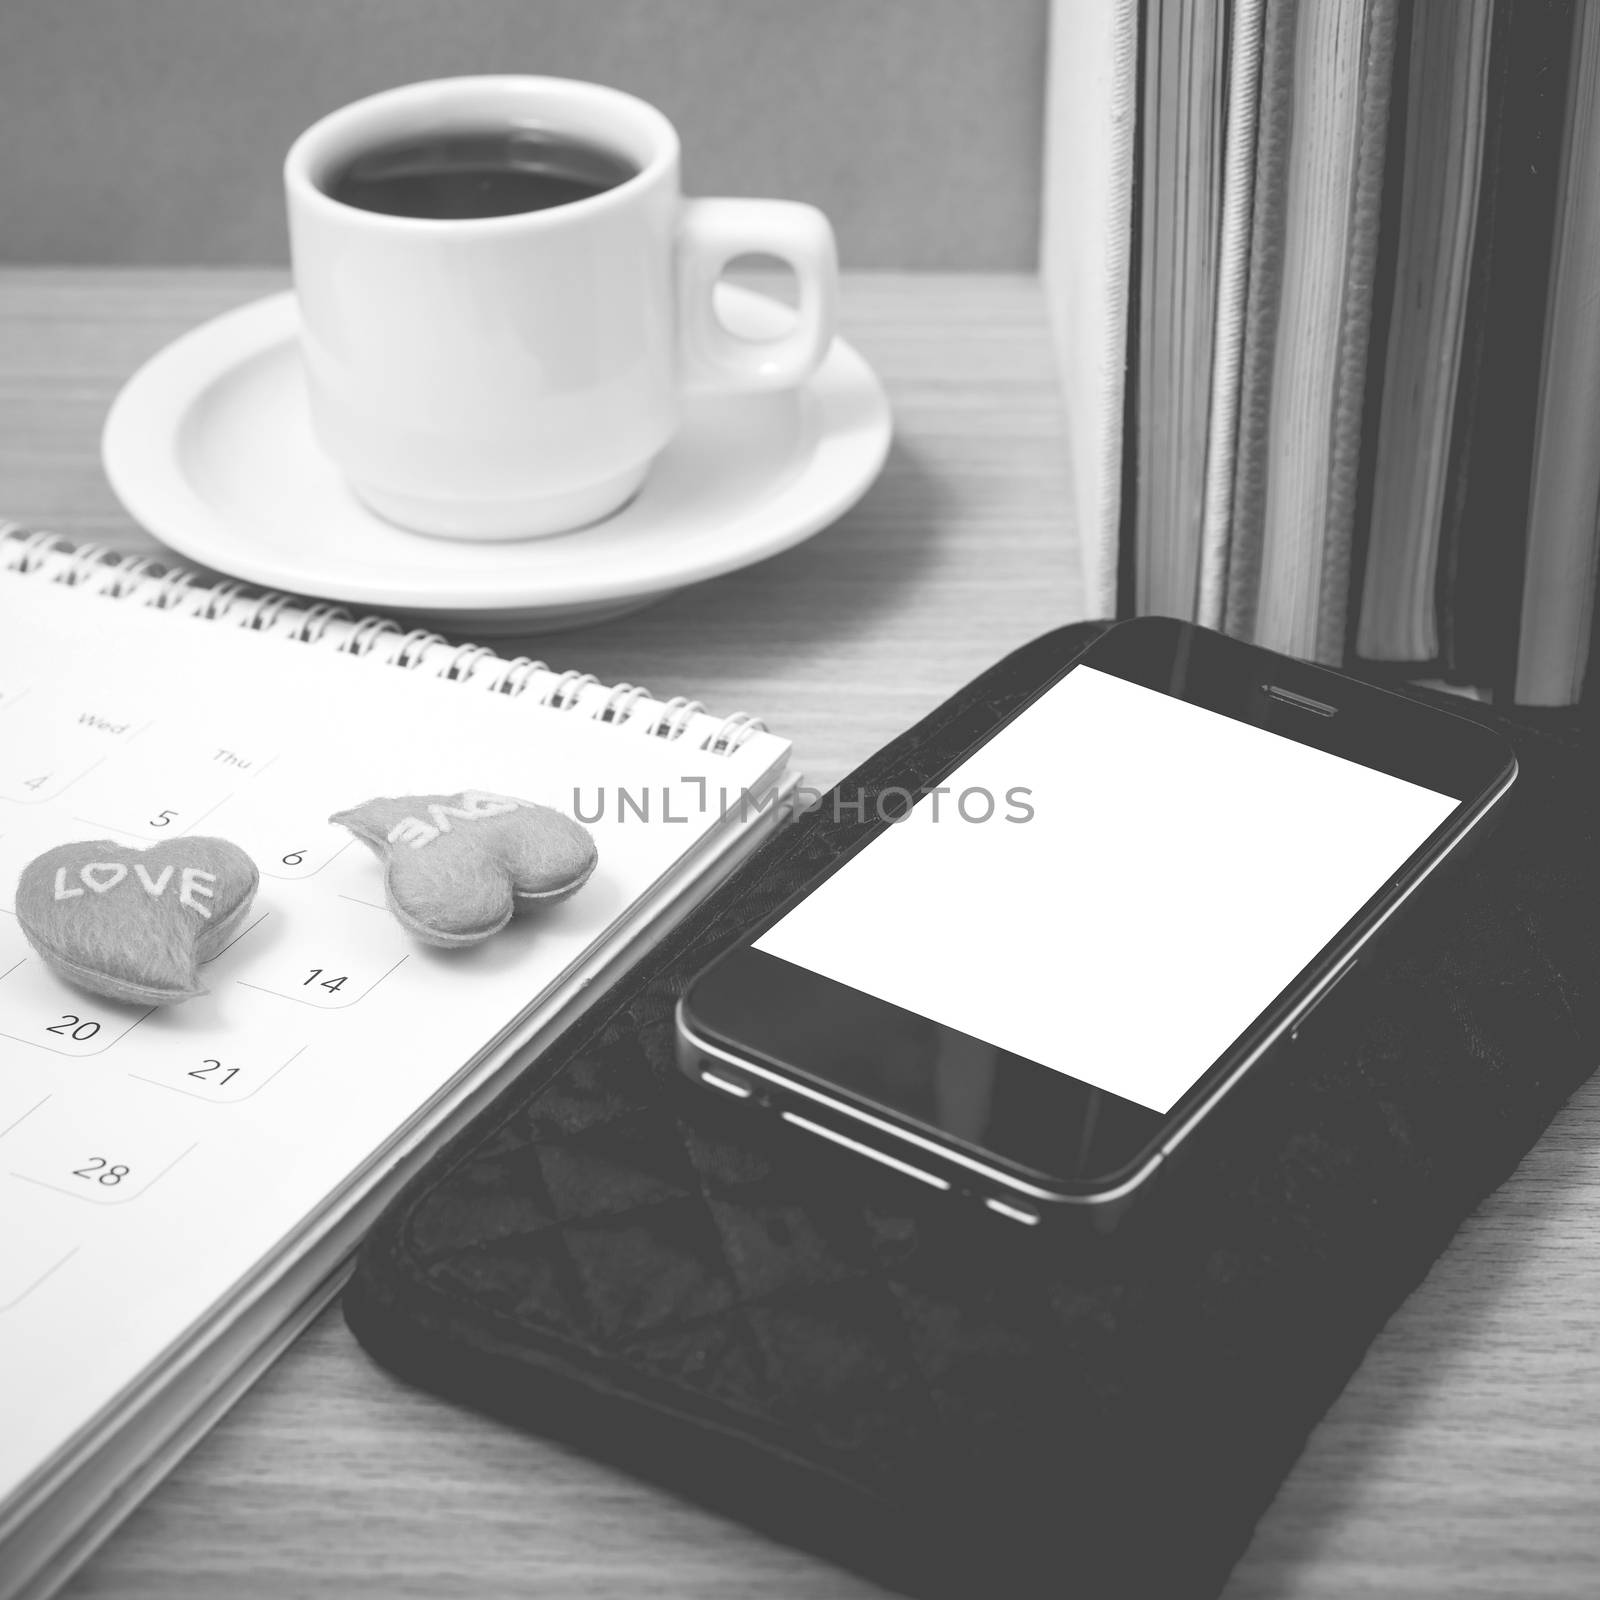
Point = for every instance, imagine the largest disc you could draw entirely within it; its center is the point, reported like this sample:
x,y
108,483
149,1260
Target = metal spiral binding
x,y
149,581
412,650
735,730
317,620
86,562
517,676
620,703
466,660
30,548
567,690
131,576
363,638
175,584
217,601
263,613
674,718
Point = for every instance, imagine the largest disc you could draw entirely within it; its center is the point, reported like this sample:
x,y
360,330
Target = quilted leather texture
x,y
947,1402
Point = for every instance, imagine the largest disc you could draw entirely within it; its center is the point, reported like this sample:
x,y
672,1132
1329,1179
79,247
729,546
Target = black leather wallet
x,y
951,1403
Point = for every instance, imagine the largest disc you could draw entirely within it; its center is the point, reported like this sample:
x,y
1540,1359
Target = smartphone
x,y
1034,987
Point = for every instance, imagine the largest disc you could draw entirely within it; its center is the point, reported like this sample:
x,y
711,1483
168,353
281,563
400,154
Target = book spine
x,y
1436,183
1355,325
1484,535
1233,272
1300,439
1263,296
1563,536
1185,80
164,586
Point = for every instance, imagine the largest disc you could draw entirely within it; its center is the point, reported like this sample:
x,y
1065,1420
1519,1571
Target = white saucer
x,y
209,446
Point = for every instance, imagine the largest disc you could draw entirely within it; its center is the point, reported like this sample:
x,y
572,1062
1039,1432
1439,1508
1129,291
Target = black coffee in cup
x,y
463,173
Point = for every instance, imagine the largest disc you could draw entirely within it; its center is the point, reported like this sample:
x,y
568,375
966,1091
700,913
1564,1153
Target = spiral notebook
x,y
179,1187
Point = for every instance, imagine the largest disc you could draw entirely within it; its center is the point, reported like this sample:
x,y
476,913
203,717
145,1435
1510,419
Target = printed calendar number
x,y
222,1074
146,801
82,1029
39,1009
97,1169
303,852
286,847
48,749
169,782
30,782
106,1148
336,962
354,977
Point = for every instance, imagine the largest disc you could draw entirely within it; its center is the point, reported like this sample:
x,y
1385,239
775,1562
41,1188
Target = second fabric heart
x,y
457,867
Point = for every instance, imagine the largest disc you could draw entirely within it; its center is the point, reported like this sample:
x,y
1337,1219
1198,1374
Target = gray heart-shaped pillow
x,y
135,924
457,867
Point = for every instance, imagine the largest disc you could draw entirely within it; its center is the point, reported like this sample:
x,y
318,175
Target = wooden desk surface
x,y
1463,1460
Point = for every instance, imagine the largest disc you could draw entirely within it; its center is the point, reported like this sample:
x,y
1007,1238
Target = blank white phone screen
x,y
1115,886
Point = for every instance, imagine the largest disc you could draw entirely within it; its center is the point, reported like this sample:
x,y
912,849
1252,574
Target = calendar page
x,y
153,1159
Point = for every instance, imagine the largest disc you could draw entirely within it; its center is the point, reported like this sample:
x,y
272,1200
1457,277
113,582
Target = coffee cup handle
x,y
711,233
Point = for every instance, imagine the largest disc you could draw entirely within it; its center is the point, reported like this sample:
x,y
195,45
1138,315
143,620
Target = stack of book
x,y
1363,407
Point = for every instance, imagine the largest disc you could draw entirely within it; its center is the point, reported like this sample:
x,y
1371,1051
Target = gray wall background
x,y
151,131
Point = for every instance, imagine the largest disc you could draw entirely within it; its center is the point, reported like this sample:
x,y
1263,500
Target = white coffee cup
x,y
502,377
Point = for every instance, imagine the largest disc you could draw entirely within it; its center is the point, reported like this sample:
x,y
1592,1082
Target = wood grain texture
x,y
1462,1460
